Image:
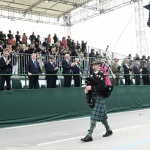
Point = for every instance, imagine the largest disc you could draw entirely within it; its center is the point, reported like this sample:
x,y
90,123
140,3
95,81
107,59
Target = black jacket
x,y
49,68
66,67
4,68
32,69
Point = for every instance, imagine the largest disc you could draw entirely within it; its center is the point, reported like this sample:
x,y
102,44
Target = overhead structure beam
x,y
32,6
96,8
140,29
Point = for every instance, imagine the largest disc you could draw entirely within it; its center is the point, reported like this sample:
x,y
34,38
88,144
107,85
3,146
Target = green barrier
x,y
31,106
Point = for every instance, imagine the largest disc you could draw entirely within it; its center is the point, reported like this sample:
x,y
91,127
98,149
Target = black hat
x,y
96,62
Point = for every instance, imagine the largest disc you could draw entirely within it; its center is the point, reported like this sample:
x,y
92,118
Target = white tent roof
x,y
53,8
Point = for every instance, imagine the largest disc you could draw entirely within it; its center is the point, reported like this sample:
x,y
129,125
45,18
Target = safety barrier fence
x,y
21,81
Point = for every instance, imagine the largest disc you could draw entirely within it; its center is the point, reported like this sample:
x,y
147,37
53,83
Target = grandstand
x,y
56,118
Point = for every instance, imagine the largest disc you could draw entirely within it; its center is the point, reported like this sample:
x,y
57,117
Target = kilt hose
x,y
98,112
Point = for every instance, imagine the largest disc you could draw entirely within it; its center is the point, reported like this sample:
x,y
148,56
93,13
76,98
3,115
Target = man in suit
x,y
78,71
33,67
51,69
127,72
67,69
137,72
5,68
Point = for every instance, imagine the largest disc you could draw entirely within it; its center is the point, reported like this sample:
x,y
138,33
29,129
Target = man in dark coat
x,y
34,68
98,112
137,72
51,69
77,71
5,68
67,70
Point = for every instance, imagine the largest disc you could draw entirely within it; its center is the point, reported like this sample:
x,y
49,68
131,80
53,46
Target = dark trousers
x,y
146,80
33,82
51,83
127,80
77,80
137,79
3,79
67,81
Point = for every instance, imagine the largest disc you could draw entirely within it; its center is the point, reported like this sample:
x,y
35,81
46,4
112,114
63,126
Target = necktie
x,y
35,64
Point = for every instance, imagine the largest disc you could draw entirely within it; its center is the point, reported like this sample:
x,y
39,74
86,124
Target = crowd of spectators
x,y
21,47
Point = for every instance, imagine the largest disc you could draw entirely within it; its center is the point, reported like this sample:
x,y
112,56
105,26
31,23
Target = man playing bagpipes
x,y
94,91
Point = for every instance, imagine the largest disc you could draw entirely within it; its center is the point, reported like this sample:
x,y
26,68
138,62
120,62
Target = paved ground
x,y
131,132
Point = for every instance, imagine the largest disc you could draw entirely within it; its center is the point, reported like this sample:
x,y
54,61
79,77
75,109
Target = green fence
x,y
31,106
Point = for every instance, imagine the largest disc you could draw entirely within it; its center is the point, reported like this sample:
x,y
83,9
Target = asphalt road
x,y
131,131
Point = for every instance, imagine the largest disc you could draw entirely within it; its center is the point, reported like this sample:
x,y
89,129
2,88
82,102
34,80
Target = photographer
x,y
98,112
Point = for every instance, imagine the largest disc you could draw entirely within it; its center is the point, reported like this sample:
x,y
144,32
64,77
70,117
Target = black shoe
x,y
87,139
108,133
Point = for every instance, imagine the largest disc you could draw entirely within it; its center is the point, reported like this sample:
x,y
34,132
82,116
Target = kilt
x,y
98,112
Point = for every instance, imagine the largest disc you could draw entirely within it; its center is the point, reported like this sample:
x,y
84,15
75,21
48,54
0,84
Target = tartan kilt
x,y
98,112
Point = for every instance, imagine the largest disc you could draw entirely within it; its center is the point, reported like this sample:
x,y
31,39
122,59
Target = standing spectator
x,y
49,39
37,41
86,66
10,35
145,73
64,42
67,69
5,68
52,70
14,62
83,46
78,45
1,35
1,47
17,36
55,38
32,38
33,67
92,55
24,38
136,57
69,42
137,71
116,71
127,72
77,70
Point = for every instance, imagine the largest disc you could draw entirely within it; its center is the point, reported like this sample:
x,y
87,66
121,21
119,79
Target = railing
x,y
24,81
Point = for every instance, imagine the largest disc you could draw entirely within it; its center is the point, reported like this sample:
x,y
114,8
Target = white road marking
x,y
73,138
58,141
